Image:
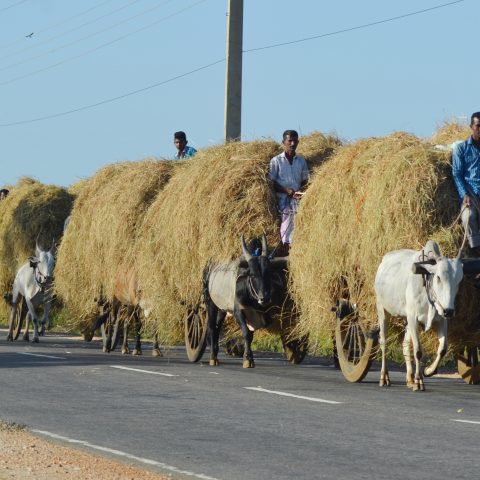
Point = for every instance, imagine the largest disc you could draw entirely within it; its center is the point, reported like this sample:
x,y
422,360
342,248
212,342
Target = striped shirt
x,y
466,168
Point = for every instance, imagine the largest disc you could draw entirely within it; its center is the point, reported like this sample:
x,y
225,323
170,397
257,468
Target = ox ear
x,y
245,251
33,262
423,268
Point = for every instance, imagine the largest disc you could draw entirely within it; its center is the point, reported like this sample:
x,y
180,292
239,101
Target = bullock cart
x,y
356,342
281,314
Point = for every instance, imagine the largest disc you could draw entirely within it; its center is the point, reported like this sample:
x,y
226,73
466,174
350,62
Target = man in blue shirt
x,y
466,175
183,151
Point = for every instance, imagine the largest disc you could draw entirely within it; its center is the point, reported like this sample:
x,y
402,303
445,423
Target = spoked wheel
x,y
196,332
355,344
468,365
235,347
115,326
296,349
19,318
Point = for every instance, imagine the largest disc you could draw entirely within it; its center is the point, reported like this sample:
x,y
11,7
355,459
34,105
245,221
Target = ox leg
x,y
125,347
213,331
418,385
407,353
383,325
248,361
138,333
442,347
26,334
155,347
13,313
46,322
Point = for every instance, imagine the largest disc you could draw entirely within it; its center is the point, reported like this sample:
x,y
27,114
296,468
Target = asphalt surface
x,y
230,423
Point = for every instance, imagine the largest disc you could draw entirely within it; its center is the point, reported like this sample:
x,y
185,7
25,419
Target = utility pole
x,y
233,81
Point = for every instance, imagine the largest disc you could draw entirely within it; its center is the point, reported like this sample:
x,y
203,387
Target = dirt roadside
x,y
25,456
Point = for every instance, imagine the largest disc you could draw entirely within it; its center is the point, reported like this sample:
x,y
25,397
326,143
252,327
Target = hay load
x,y
373,196
450,132
99,241
209,202
32,210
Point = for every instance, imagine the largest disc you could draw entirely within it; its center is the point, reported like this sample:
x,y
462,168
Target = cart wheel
x,y
235,347
468,366
355,345
19,318
196,332
295,350
116,331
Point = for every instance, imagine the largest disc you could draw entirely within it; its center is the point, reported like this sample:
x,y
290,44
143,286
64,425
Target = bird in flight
x,y
30,35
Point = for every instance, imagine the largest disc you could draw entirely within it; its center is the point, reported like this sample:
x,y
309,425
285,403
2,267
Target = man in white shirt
x,y
289,174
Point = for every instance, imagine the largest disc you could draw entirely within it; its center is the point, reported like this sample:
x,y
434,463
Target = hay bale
x,y
450,132
31,210
373,196
100,238
208,203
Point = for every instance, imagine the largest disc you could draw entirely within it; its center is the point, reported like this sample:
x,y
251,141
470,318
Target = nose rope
x,y
432,296
250,283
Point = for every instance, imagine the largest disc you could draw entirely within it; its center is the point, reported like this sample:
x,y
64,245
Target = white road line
x,y
464,421
285,394
120,367
40,355
119,453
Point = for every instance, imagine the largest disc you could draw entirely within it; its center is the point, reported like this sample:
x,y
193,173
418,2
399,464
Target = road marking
x,y
285,394
143,371
119,453
464,421
40,355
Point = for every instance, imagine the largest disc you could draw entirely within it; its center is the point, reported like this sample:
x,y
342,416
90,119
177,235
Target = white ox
x,y
33,282
423,293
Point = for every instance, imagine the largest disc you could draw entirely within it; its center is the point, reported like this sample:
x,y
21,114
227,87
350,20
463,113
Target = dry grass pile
x,y
373,196
31,210
450,132
99,241
209,202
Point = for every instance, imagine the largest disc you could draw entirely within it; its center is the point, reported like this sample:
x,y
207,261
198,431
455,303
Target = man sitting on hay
x,y
289,174
466,174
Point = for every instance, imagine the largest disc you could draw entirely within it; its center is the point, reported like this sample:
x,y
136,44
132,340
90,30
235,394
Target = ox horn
x,y
246,253
264,245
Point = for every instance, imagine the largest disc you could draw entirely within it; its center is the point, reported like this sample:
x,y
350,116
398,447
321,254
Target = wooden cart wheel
x,y
355,345
115,326
196,332
468,366
295,350
19,318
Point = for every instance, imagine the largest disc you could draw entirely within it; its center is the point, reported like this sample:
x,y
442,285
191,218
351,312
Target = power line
x,y
85,107
351,29
113,99
69,59
112,12
12,5
66,20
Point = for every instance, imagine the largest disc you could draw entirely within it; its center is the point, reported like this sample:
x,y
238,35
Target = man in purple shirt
x,y
289,174
466,175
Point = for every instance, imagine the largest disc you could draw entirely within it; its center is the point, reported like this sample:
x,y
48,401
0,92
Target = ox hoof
x,y
156,353
384,381
418,387
9,337
248,364
26,338
35,340
136,351
125,351
213,362
106,350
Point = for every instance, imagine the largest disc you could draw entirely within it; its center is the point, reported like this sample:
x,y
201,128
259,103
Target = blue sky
x,y
410,74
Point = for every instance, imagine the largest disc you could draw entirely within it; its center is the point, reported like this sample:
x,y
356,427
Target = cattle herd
x,y
154,246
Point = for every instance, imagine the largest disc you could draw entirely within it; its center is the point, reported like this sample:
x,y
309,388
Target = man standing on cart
x,y
466,174
289,174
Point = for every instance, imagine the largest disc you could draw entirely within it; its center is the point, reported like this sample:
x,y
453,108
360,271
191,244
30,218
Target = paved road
x,y
195,421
